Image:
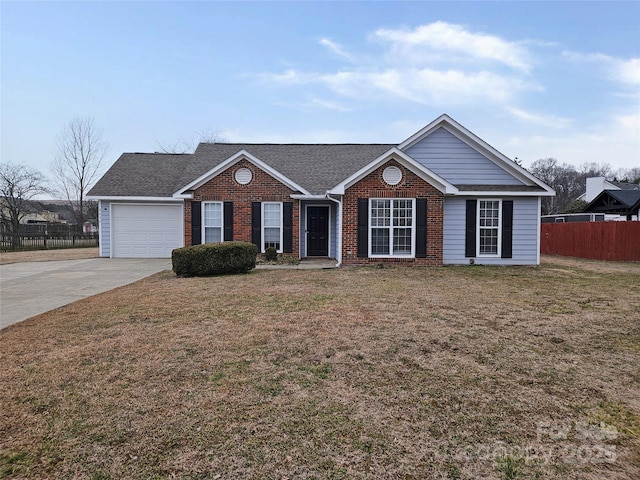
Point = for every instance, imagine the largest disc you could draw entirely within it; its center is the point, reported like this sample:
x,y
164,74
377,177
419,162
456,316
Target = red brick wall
x,y
373,186
262,188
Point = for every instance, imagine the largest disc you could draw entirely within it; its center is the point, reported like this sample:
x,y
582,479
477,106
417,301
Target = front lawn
x,y
454,372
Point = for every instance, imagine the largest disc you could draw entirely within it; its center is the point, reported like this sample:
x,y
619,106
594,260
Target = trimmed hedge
x,y
214,259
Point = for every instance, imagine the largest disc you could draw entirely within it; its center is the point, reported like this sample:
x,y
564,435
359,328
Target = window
x,y
391,223
488,227
212,222
272,226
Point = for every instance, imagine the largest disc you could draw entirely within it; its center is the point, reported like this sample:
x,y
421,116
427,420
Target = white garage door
x,y
146,231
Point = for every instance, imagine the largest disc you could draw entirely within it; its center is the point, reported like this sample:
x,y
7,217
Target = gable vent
x,y
243,176
392,175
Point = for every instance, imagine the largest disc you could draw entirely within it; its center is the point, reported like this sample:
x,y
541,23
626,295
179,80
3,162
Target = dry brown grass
x,y
48,255
356,373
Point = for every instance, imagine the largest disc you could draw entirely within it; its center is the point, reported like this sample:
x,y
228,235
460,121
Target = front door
x,y
317,231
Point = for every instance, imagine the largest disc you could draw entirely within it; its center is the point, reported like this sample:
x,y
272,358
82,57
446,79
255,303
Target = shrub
x,y
270,254
214,259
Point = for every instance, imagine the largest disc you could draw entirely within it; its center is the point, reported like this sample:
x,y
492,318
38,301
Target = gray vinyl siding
x,y
525,233
455,161
104,219
333,222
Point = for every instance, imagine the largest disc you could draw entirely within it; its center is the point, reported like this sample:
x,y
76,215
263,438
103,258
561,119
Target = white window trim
x,y
413,229
262,227
499,250
203,226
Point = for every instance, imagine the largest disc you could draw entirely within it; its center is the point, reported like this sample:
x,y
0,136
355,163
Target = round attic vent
x,y
392,175
243,176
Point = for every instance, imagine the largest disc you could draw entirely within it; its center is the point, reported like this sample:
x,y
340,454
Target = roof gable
x,y
232,160
315,167
458,155
615,201
405,160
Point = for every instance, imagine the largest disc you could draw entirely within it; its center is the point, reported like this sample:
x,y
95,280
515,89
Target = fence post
x,y
44,238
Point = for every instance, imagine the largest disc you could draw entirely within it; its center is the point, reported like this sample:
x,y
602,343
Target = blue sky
x,y
533,79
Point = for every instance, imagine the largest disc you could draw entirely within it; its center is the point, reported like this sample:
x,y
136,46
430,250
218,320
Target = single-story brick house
x,y
442,196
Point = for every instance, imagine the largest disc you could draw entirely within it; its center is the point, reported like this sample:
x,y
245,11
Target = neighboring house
x,y
443,196
625,204
596,185
43,216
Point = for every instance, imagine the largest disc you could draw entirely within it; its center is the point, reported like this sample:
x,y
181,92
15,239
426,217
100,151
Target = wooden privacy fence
x,y
615,241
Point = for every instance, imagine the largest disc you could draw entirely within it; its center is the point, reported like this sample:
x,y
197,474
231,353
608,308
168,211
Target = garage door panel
x,y
146,231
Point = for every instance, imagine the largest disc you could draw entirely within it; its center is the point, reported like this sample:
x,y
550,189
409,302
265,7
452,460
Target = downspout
x,y
339,232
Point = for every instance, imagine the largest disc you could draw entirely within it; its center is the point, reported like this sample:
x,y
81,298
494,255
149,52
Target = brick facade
x,y
262,188
411,186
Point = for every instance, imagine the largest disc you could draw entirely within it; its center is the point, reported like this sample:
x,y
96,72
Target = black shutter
x,y
470,230
196,222
256,224
421,228
287,227
228,222
507,228
363,227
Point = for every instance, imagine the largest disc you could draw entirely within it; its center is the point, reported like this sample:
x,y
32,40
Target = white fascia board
x,y
403,159
229,162
494,193
298,196
423,132
135,199
475,142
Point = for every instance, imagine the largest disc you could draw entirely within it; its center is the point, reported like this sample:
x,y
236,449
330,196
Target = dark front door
x,y
317,231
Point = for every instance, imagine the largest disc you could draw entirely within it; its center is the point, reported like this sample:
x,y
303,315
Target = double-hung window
x,y
488,227
272,225
212,222
392,227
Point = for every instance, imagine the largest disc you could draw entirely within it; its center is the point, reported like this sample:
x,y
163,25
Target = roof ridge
x,y
286,144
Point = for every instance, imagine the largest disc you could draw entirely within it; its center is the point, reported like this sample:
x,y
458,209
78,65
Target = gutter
x,y
339,246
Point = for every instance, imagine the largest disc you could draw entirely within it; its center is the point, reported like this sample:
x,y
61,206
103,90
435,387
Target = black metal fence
x,y
45,237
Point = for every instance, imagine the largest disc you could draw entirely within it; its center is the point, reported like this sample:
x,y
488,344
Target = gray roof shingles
x,y
627,197
625,185
315,167
142,175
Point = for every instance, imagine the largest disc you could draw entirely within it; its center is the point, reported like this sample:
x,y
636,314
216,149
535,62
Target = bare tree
x,y
189,145
18,185
629,175
568,182
80,152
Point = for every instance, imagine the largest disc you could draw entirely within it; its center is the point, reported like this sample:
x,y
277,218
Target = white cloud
x,y
426,86
615,140
629,71
625,71
539,118
444,39
462,73
335,48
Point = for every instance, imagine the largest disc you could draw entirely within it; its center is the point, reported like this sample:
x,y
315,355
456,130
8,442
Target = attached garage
x,y
145,230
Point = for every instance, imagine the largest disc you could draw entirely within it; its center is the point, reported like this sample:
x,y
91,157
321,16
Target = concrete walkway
x,y
28,289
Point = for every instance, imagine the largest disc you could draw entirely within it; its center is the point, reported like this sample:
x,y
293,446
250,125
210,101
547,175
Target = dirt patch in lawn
x,y
456,372
598,266
48,255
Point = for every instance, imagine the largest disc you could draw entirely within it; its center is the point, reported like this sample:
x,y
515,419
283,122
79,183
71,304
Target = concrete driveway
x,y
28,289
